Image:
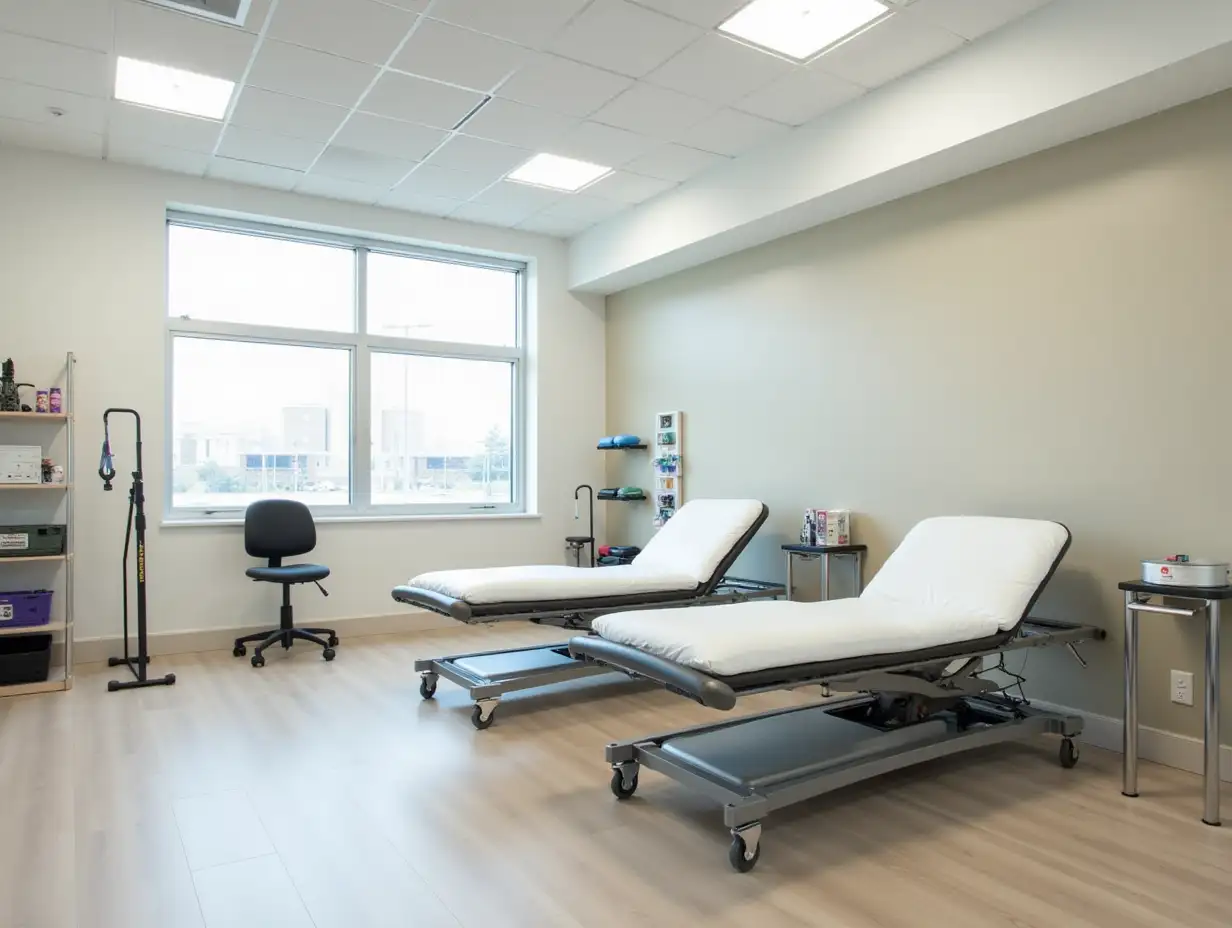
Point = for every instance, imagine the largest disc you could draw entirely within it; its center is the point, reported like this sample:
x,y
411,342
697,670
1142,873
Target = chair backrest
x,y
983,566
700,537
278,528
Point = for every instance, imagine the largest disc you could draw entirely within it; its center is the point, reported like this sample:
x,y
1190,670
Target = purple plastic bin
x,y
25,609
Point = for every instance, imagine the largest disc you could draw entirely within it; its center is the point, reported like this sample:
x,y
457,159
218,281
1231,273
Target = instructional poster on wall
x,y
668,466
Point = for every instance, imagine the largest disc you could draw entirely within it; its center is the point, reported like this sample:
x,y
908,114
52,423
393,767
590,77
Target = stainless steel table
x,y
853,553
1201,601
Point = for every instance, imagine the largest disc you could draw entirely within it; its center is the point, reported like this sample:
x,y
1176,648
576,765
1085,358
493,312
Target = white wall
x,y
82,269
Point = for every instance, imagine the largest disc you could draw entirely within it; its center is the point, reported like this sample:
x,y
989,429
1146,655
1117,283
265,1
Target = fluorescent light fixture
x,y
801,28
558,173
172,89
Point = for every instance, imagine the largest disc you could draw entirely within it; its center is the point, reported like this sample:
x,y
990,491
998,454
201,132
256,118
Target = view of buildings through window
x,y
276,357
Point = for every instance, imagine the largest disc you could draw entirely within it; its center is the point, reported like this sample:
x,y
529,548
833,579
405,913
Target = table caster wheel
x,y
333,641
239,651
258,660
619,790
328,654
1068,755
479,721
427,689
738,856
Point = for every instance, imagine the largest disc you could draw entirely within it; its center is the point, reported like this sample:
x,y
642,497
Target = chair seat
x,y
291,573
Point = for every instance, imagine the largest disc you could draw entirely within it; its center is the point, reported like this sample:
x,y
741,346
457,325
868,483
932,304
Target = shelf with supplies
x,y
32,541
617,499
622,448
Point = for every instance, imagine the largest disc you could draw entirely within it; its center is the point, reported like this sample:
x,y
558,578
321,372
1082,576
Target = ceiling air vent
x,y
232,12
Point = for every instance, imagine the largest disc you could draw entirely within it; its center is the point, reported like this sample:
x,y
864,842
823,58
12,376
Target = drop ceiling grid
x,y
669,118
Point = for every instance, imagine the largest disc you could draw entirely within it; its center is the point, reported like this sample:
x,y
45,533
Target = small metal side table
x,y
1205,601
853,553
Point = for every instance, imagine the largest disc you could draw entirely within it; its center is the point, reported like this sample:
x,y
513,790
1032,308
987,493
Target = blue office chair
x,y
274,529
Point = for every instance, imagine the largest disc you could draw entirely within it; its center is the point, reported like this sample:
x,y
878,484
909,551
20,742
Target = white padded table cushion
x,y
684,554
951,580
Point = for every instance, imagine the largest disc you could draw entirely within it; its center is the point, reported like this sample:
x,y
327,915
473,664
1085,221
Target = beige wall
x,y
1046,339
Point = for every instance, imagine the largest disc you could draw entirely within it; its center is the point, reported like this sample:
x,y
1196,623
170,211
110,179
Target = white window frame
x,y
361,345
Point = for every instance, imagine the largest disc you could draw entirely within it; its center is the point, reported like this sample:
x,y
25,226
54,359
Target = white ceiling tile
x,y
362,166
674,162
260,175
707,13
555,226
358,29
258,13
973,18
33,61
888,50
449,53
488,215
50,137
391,137
517,124
417,100
419,202
286,115
191,43
494,159
280,151
34,104
417,6
720,69
600,144
429,180
729,132
313,75
141,124
562,85
519,199
624,187
621,37
527,22
338,189
654,111
585,209
152,155
799,97
84,23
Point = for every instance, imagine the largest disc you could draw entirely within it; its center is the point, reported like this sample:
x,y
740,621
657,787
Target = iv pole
x,y
591,492
136,516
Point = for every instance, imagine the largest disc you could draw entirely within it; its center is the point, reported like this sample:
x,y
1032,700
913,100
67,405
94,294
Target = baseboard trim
x,y
89,650
1154,744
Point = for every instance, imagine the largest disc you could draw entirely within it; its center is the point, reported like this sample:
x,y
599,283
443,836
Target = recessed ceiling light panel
x,y
171,89
802,28
558,173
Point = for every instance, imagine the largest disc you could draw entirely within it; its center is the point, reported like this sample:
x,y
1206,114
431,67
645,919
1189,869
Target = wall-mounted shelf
x,y
33,558
34,416
36,486
619,500
623,448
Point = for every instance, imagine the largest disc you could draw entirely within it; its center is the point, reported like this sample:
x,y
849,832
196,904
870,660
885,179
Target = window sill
x,y
325,520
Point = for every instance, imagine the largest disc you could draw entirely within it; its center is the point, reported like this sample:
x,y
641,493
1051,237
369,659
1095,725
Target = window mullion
x,y
361,385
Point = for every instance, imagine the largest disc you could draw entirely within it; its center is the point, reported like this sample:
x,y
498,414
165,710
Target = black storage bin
x,y
24,659
31,540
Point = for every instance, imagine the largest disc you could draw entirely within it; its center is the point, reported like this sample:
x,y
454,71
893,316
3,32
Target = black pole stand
x,y
591,492
136,518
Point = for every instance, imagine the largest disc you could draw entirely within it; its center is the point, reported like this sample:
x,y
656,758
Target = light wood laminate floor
x,y
330,796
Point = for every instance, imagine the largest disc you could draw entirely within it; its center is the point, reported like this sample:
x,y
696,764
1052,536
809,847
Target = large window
x,y
359,377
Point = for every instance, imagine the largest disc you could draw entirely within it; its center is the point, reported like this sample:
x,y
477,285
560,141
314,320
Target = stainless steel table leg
x,y
825,577
1129,772
1210,807
791,587
858,561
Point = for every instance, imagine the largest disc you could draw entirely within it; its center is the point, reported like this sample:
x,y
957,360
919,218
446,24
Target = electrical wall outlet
x,y
1182,688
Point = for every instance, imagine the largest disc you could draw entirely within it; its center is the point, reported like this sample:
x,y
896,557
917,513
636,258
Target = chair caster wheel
x,y
479,721
333,641
619,790
239,651
738,856
1068,755
427,690
328,654
258,660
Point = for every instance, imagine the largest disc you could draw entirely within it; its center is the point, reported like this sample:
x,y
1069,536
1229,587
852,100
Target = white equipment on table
x,y
1182,570
21,464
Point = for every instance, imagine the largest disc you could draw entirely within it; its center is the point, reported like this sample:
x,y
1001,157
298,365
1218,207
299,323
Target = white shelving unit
x,y
19,427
